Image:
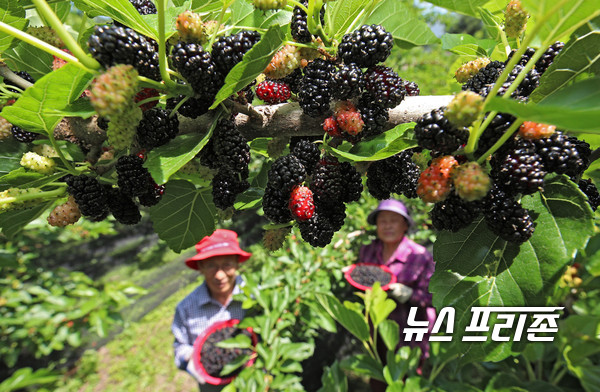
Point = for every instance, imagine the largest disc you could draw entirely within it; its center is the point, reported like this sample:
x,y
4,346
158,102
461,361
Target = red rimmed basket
x,y
197,356
363,287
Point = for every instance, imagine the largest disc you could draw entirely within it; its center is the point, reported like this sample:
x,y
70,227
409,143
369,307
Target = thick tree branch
x,y
284,119
287,119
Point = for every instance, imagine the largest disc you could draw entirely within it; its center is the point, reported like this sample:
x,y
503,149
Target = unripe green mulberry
x,y
37,163
45,150
46,34
17,198
190,27
122,129
471,181
283,63
273,239
464,108
515,19
466,71
113,91
269,4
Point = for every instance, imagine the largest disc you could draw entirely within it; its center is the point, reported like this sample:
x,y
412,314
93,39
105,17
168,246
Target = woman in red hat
x,y
217,258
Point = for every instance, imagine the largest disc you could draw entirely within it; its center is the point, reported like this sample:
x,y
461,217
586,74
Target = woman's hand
x,y
399,292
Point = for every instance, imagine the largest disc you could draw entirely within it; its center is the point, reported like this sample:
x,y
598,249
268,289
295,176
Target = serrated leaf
x,y
467,45
253,63
408,28
560,20
25,57
184,216
492,23
13,14
164,161
581,55
382,146
576,107
474,267
36,109
363,364
342,16
12,222
122,11
468,7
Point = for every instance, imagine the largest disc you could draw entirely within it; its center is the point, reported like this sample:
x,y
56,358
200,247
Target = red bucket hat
x,y
220,243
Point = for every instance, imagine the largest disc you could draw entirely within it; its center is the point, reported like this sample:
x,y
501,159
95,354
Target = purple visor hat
x,y
390,205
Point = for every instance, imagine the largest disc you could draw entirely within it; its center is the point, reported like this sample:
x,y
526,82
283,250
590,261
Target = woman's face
x,y
391,226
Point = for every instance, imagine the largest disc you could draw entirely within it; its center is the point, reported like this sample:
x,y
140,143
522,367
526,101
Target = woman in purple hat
x,y
410,262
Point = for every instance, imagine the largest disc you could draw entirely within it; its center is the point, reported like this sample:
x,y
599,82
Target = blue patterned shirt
x,y
197,312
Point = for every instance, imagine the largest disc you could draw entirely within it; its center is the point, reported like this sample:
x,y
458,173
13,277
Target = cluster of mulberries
x,y
312,190
368,90
214,358
111,45
396,174
135,181
228,153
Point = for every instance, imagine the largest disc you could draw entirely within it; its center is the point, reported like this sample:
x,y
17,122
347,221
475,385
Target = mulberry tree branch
x,y
287,119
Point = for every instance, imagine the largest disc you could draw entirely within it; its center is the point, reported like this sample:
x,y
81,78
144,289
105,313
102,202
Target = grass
x,y
138,359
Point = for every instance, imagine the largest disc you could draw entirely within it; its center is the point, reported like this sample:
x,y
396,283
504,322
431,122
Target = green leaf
x,y
21,178
378,303
408,28
334,379
382,146
342,15
581,55
25,377
492,23
468,7
390,333
363,364
297,351
234,365
575,108
351,320
249,199
11,152
36,110
12,222
560,20
122,11
13,14
467,45
253,64
239,341
165,160
184,215
476,268
25,57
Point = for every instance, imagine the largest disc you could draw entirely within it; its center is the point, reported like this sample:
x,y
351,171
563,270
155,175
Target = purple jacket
x,y
413,266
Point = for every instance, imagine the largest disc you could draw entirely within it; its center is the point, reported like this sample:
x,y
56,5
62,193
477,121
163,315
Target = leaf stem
x,y
34,196
213,37
23,36
162,50
62,157
44,9
501,141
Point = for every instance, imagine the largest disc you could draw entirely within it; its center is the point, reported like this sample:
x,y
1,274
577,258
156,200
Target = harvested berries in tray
x,y
210,359
364,275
